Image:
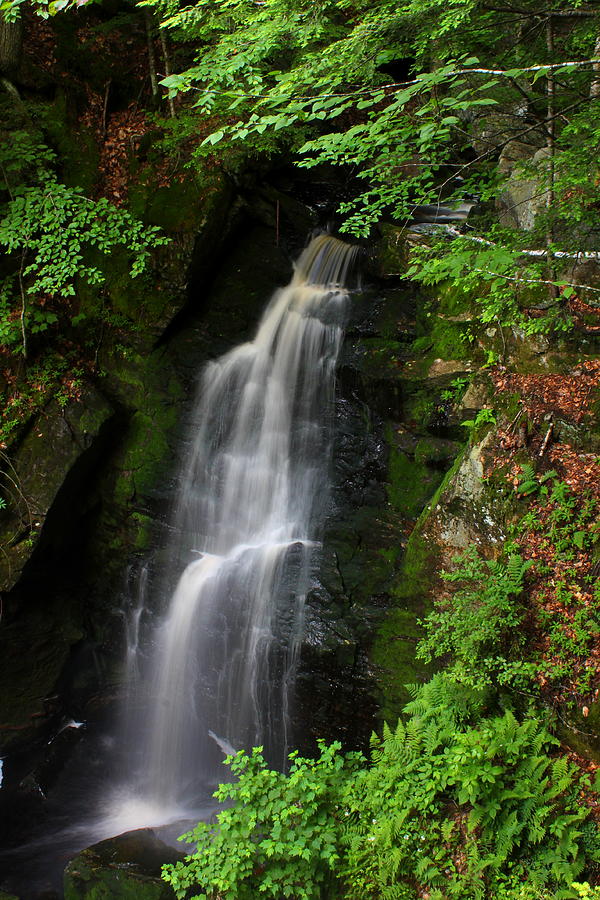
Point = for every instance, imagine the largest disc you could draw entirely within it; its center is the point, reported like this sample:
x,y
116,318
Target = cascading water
x,y
217,670
245,532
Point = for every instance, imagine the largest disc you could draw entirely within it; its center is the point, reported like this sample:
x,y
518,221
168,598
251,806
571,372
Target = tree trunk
x,y
167,59
151,54
551,128
595,88
11,43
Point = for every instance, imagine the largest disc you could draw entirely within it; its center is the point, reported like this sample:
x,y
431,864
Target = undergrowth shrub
x,y
478,625
279,839
458,801
470,808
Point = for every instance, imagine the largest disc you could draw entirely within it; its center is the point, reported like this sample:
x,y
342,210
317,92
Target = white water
x,y
246,532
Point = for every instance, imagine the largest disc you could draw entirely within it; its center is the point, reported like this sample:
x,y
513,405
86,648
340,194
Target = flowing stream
x,y
245,533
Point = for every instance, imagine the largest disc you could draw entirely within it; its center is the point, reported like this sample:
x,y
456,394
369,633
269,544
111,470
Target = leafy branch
x,y
52,231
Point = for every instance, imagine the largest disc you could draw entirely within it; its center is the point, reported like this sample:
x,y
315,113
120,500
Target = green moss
x,y
430,451
420,405
580,732
392,251
454,302
394,649
77,150
450,340
176,207
396,314
444,340
410,481
381,357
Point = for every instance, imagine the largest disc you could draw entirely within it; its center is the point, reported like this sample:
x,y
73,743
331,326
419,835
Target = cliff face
x,y
523,483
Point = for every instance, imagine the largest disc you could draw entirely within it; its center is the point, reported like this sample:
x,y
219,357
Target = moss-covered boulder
x,y
126,867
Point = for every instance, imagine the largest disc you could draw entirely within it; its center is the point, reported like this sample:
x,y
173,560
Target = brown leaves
x,y
567,396
561,603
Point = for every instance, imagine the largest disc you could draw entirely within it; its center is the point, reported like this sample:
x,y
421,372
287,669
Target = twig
x,y
167,59
538,254
509,73
105,109
23,302
512,425
546,439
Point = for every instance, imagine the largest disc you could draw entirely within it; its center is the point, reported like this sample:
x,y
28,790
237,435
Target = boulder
x,y
127,867
523,197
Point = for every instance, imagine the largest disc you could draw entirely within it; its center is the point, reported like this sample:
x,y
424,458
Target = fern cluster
x,y
467,811
477,627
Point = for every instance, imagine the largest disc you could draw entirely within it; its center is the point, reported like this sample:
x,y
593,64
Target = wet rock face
x,y
62,443
336,688
389,458
126,867
522,201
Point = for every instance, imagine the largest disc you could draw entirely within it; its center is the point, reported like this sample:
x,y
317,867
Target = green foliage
x,y
11,9
567,529
530,483
496,274
279,839
468,810
570,522
586,892
456,390
54,375
50,232
572,631
478,625
485,416
312,77
455,801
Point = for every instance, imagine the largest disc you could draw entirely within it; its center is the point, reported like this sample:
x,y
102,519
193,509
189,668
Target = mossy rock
x,y
580,729
413,481
392,251
395,647
75,145
127,867
465,510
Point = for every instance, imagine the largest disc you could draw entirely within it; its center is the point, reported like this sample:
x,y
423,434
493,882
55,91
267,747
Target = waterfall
x,y
246,529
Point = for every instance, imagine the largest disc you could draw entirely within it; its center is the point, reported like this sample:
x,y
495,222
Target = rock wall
x,y
537,412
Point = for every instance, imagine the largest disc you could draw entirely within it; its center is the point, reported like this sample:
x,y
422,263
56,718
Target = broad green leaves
x,y
50,232
10,9
280,836
321,81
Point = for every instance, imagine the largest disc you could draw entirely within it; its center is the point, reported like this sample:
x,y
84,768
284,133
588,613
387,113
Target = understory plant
x,y
468,805
459,801
477,625
280,838
53,236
